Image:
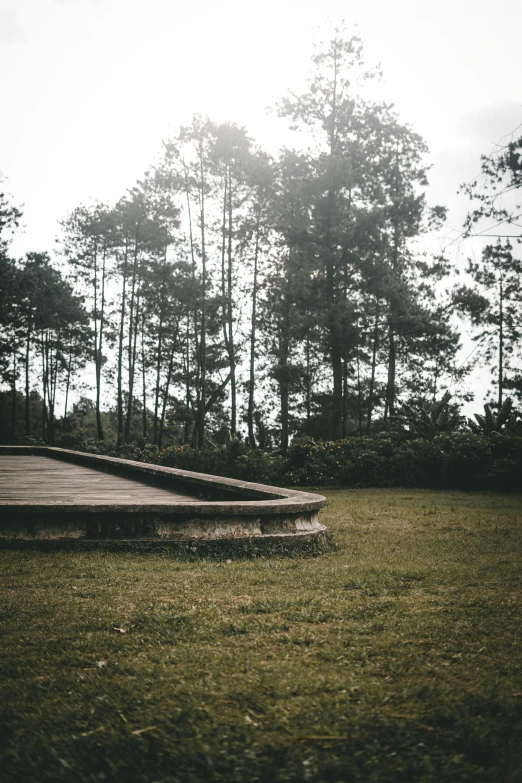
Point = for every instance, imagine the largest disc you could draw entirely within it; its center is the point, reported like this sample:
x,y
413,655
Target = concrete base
x,y
217,508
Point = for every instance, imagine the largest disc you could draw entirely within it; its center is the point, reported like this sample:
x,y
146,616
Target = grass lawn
x,y
394,656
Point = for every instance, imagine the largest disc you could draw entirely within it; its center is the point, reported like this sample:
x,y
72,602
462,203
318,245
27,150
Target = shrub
x,y
235,460
459,460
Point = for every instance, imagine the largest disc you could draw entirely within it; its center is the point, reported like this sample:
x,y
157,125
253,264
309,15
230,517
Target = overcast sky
x,y
90,87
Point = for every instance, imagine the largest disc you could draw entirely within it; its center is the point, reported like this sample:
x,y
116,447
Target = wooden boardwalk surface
x,y
29,479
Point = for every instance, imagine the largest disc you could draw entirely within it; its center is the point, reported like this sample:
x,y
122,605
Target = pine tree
x,y
498,276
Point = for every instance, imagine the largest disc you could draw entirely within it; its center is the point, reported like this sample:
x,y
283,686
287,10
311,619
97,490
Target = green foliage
x,y
350,204
505,419
6,417
447,461
430,419
235,460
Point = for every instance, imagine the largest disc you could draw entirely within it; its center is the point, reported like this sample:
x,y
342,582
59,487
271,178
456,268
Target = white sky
x,y
89,87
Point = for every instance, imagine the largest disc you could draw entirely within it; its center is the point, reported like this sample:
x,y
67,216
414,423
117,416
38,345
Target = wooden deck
x,y
52,494
38,479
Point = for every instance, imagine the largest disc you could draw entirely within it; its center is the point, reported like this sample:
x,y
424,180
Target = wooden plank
x,y
43,479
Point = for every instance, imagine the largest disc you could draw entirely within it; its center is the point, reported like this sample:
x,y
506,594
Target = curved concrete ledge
x,y
104,498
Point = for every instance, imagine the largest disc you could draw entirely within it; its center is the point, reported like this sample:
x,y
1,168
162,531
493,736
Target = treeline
x,y
233,294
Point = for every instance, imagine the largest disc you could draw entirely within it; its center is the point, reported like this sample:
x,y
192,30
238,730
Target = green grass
x,y
393,656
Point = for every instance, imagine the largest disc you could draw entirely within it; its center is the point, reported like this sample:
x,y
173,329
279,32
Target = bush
x,y
235,460
461,460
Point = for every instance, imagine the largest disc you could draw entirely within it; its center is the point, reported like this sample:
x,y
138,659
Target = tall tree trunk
x,y
27,381
186,434
159,359
333,320
120,351
54,361
133,360
284,391
232,357
193,271
392,347
345,399
224,297
392,364
375,347
251,385
167,386
99,349
359,392
67,387
95,334
308,386
133,318
143,380
161,428
13,406
337,406
51,394
44,389
199,426
501,344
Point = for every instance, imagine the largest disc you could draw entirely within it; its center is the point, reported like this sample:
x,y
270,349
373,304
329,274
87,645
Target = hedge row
x,y
451,461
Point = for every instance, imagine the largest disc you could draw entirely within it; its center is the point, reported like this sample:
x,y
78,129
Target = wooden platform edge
x,y
244,510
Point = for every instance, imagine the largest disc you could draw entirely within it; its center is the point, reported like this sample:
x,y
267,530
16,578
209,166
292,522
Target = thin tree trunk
x,y
143,380
284,395
95,336
232,358
223,268
186,434
51,395
133,318
43,389
338,396
345,399
193,269
53,364
501,345
167,385
392,347
14,406
199,427
283,382
359,392
165,399
372,375
99,349
67,387
333,323
27,381
392,363
120,350
251,386
224,296
159,360
308,386
134,353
